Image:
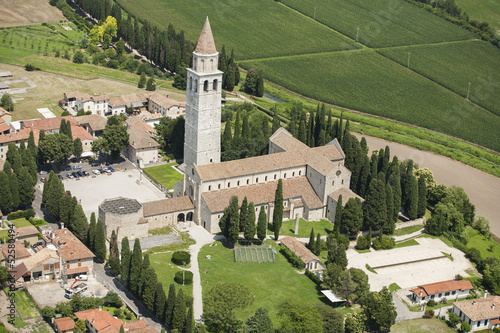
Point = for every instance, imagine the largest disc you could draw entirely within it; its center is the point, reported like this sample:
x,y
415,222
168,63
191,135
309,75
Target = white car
x,y
96,172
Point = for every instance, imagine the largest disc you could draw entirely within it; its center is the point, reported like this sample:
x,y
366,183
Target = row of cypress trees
x,y
140,278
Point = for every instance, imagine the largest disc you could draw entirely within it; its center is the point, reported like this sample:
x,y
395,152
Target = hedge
x,y
386,244
180,256
188,277
314,278
291,257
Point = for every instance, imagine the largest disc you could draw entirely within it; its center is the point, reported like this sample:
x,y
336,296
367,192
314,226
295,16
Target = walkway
x,y
403,312
202,238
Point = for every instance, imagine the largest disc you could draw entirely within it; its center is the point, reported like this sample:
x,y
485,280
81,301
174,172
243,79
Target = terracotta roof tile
x,y
101,320
96,122
139,139
4,127
442,287
116,101
81,133
64,324
165,206
206,44
480,309
4,112
70,247
21,251
284,139
299,249
16,136
82,97
139,325
26,231
346,195
163,101
48,124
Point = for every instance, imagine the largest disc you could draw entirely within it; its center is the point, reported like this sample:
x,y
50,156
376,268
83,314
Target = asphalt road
x,y
483,189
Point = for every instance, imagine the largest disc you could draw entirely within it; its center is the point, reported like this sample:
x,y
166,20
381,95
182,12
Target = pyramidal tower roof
x,y
206,44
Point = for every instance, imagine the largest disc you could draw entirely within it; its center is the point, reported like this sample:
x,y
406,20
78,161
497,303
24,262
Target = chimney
x,y
420,294
93,321
485,293
62,225
493,306
100,308
473,303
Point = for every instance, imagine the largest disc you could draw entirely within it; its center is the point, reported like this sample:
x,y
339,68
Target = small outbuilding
x,y
310,261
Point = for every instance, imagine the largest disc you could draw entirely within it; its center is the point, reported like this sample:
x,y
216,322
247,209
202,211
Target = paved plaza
x,y
411,275
93,190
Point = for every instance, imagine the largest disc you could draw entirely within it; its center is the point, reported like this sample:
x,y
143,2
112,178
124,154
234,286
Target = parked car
x,y
70,176
44,172
60,177
80,173
42,179
68,168
94,164
86,173
75,175
97,172
76,167
83,277
111,169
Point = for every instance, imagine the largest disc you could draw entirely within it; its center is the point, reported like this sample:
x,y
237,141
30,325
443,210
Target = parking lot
x,y
413,274
51,293
125,181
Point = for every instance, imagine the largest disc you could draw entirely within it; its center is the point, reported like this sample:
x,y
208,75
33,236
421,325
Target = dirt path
x,y
483,189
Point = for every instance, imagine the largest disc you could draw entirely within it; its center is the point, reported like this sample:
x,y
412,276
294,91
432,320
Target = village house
x,y
49,125
85,137
100,321
165,106
16,138
63,325
93,124
4,127
42,266
78,100
27,234
5,115
446,289
21,253
481,313
311,261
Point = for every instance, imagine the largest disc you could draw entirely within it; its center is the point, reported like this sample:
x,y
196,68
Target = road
x,y
114,285
483,189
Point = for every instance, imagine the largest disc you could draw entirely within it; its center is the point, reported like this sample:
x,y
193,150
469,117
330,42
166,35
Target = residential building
x,y
93,124
27,234
5,115
64,325
96,104
4,127
49,125
143,148
446,289
165,106
85,137
41,266
19,253
481,314
100,321
311,261
16,138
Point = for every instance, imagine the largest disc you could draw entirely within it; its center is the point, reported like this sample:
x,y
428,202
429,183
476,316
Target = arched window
x,y
211,64
191,191
265,179
190,83
202,65
205,86
180,217
195,85
215,85
189,216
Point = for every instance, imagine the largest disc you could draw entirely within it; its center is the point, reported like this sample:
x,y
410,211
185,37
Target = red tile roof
x,y
64,324
81,133
299,249
480,309
70,247
20,250
442,287
100,319
47,124
165,206
26,231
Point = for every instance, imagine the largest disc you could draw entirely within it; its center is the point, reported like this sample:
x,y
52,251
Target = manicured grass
x,y
421,326
410,242
381,23
22,222
161,260
483,245
161,231
112,309
323,227
448,256
364,80
454,65
407,230
271,283
278,31
393,287
368,267
165,174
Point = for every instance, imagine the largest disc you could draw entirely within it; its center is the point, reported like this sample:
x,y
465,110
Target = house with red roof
x,y
100,321
64,325
481,314
446,289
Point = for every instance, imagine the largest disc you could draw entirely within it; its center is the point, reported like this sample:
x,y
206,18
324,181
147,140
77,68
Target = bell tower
x,y
203,103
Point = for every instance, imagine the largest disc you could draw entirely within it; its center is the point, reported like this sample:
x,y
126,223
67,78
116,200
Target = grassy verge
x,y
323,227
448,256
161,231
22,222
410,242
394,286
407,230
421,326
25,305
368,267
271,283
164,174
363,251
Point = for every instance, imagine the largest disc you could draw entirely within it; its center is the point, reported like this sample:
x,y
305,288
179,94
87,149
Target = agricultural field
x,y
23,12
364,80
381,23
269,282
482,10
454,65
256,29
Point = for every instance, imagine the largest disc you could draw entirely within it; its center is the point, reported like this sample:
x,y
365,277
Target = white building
x,y
437,291
481,313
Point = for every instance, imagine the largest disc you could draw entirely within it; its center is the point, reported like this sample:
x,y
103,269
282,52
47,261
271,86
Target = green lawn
x,y
393,287
421,326
164,174
407,230
410,242
454,65
483,245
22,222
271,283
381,23
365,80
323,227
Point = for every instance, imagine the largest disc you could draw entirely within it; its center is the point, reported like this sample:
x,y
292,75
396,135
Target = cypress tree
x,y
375,210
387,157
243,214
364,145
46,187
237,128
317,249
363,177
390,225
17,163
179,312
169,309
335,130
149,288
369,237
310,130
5,195
278,209
11,152
338,217
7,168
394,179
265,127
14,191
374,165
188,328
65,210
39,155
262,224
26,193
100,241
276,120
227,136
233,227
329,123
381,159
91,232
135,267
340,131
125,264
412,201
250,222
114,255
143,277
79,223
160,300
31,145
55,193
245,129
311,244
422,197
301,131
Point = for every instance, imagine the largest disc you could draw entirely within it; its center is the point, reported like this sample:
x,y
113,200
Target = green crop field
x,y
256,29
364,80
483,10
381,23
454,65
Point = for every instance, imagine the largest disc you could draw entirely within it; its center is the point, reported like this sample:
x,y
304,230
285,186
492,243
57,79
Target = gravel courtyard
x,y
93,191
411,275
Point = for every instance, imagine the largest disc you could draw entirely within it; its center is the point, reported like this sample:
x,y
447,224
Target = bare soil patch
x,y
24,12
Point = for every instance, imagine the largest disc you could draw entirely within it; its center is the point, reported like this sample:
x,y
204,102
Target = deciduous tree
x,y
299,317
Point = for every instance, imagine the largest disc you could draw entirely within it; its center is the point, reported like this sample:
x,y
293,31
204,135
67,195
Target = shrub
x,y
188,277
429,313
16,215
362,243
30,68
291,257
431,303
314,278
29,213
385,244
465,327
112,299
48,312
180,256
